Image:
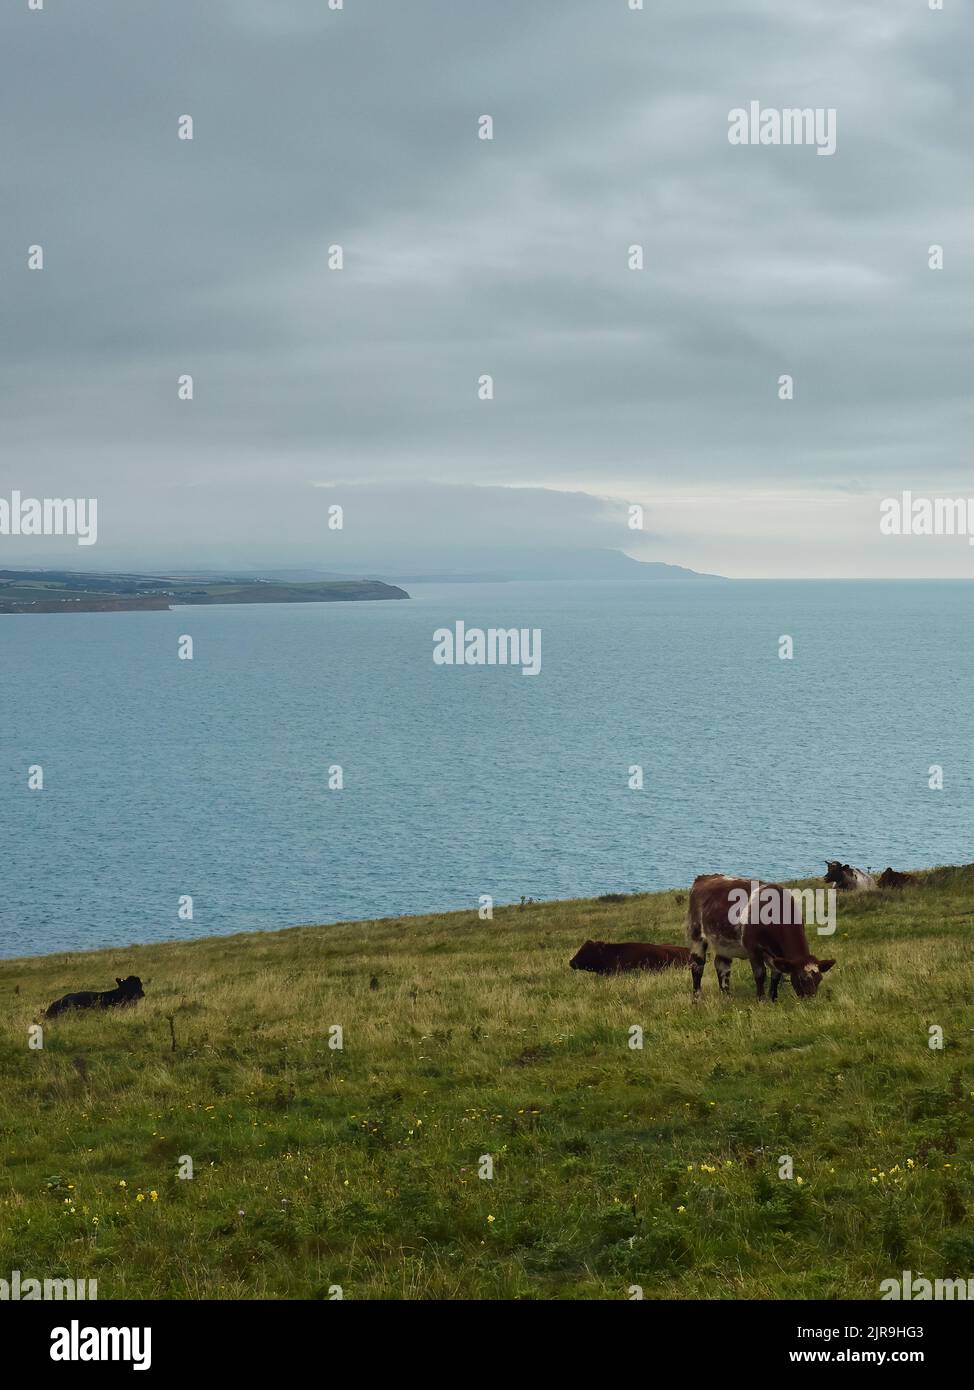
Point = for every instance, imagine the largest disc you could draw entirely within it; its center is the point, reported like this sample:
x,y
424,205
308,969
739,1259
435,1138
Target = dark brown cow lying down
x,y
760,922
609,957
889,878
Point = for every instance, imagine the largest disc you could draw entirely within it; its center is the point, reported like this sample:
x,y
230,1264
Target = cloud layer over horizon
x,y
509,257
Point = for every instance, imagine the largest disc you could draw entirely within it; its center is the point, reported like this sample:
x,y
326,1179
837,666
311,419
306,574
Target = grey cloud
x,y
463,257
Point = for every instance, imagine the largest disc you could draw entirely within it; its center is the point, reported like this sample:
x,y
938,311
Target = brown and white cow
x,y
746,919
609,957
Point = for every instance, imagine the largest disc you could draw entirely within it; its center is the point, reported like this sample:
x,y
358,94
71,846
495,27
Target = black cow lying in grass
x,y
127,992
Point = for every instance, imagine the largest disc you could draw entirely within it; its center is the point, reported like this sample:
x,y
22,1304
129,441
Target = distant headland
x,y
64,591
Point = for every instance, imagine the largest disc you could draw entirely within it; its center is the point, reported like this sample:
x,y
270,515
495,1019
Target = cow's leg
x,y
776,977
697,943
722,965
698,959
760,974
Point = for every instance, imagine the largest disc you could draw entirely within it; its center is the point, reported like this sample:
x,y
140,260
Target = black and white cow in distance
x,y
847,878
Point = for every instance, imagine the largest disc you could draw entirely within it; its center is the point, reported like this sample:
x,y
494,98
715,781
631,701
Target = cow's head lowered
x,y
805,975
590,956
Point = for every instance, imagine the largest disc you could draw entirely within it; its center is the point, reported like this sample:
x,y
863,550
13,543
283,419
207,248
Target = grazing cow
x,y
889,878
126,992
847,878
748,919
609,957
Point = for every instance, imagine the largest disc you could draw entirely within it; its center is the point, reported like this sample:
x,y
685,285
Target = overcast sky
x,y
463,257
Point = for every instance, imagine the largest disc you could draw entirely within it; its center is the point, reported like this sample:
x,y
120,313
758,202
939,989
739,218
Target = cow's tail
x,y
692,936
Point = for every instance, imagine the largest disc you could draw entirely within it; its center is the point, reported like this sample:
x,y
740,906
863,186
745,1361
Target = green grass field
x,y
613,1167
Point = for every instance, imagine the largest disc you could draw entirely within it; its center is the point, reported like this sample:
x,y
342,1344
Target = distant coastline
x,y
63,591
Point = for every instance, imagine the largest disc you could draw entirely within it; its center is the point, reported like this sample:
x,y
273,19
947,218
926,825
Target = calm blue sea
x,y
210,777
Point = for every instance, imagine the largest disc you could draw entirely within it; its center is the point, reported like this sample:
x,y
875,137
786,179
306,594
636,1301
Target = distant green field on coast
x,y
62,591
316,1167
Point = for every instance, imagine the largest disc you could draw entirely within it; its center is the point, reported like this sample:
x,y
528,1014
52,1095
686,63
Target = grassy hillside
x,y
612,1166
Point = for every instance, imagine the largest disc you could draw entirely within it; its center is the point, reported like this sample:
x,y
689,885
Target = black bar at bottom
x,y
64,1339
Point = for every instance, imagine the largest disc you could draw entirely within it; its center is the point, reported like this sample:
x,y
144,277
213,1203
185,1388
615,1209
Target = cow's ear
x,y
824,965
117,980
781,965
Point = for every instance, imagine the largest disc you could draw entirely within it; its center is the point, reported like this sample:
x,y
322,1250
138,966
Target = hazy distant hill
x,y
504,563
